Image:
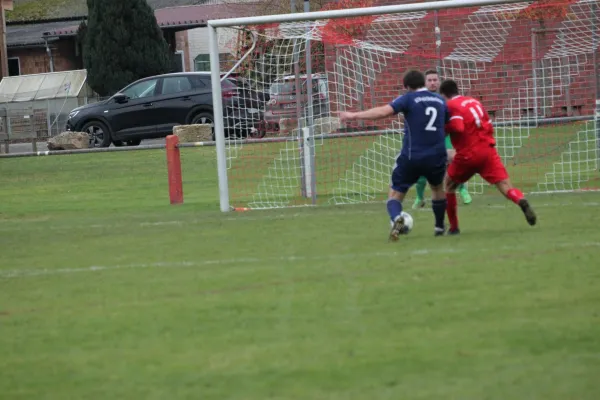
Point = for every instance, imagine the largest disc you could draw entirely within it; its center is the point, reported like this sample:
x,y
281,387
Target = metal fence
x,y
38,120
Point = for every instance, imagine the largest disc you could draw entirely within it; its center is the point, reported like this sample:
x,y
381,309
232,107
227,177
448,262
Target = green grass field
x,y
108,292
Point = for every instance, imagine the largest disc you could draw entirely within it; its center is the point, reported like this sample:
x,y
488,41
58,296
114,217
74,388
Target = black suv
x,y
150,108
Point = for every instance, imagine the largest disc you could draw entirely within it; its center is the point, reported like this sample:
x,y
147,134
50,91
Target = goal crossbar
x,y
354,12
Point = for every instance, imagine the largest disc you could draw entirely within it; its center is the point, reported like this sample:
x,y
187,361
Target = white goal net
x,y
530,63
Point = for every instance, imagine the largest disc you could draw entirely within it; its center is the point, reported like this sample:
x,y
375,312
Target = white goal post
x,y
532,79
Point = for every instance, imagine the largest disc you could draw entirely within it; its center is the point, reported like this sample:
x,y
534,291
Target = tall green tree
x,y
122,43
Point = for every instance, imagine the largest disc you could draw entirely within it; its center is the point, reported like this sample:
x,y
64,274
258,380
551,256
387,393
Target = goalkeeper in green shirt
x,y
432,82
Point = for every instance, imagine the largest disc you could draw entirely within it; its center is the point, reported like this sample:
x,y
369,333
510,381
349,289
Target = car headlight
x,y
72,114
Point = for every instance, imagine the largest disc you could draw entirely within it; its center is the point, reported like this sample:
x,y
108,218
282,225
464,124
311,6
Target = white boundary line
x,y
27,273
20,273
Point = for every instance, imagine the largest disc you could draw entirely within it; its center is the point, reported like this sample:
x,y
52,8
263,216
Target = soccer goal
x,y
533,64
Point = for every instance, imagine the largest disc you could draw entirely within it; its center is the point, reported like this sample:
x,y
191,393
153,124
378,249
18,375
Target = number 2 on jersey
x,y
433,112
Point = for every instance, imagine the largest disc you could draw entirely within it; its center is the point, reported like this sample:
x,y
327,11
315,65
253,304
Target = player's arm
x,y
398,105
372,114
456,122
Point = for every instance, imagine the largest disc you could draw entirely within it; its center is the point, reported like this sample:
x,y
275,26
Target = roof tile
x,y
170,17
188,15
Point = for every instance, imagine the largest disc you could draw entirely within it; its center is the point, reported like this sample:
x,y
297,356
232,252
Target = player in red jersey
x,y
472,135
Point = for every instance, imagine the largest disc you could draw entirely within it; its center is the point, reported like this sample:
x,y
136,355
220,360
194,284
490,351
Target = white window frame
x,y
203,61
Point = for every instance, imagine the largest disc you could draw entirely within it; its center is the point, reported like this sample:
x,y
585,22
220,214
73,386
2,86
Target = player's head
x,y
432,80
414,80
449,89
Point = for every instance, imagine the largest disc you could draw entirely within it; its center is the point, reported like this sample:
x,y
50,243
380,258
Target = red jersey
x,y
470,125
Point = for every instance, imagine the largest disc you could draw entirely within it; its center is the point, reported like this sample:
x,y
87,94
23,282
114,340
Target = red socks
x,y
452,211
514,195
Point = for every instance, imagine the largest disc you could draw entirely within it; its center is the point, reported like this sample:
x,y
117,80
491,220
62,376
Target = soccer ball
x,y
408,222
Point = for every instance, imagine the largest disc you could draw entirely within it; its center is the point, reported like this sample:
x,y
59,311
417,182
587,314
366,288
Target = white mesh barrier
x,y
481,41
293,77
578,163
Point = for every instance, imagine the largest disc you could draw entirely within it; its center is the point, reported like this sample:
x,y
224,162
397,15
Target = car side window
x,y
198,82
141,89
207,82
176,84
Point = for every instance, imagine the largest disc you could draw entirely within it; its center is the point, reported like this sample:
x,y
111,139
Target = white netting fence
x,y
528,74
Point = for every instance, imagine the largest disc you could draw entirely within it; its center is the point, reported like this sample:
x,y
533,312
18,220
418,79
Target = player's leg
x,y
450,187
435,177
394,208
495,173
462,189
516,196
464,194
404,176
420,188
438,205
459,171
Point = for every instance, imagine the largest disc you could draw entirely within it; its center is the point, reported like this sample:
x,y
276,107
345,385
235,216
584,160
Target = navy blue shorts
x,y
407,172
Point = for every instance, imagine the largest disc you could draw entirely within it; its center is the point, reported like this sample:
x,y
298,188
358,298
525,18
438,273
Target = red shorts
x,y
484,161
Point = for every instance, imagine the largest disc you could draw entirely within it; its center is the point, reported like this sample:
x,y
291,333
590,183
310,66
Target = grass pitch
x,y
106,291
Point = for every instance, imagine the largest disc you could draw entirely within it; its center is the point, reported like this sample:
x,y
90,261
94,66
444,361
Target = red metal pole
x,y
174,170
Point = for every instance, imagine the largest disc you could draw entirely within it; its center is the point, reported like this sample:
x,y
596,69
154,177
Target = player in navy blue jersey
x,y
423,147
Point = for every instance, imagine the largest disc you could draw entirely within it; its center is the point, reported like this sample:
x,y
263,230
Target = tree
x,y
122,43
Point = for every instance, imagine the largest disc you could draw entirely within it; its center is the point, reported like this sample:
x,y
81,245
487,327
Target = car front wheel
x,y
204,118
98,133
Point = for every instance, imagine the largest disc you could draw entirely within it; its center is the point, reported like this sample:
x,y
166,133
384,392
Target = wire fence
x,y
38,120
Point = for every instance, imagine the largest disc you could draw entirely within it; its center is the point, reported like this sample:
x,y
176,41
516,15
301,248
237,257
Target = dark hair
x,y
449,88
431,72
414,80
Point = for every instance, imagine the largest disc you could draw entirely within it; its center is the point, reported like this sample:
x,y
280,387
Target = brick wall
x,y
36,61
65,55
500,83
31,61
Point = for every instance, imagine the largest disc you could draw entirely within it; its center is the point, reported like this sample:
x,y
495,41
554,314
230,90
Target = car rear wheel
x,y
98,132
205,118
